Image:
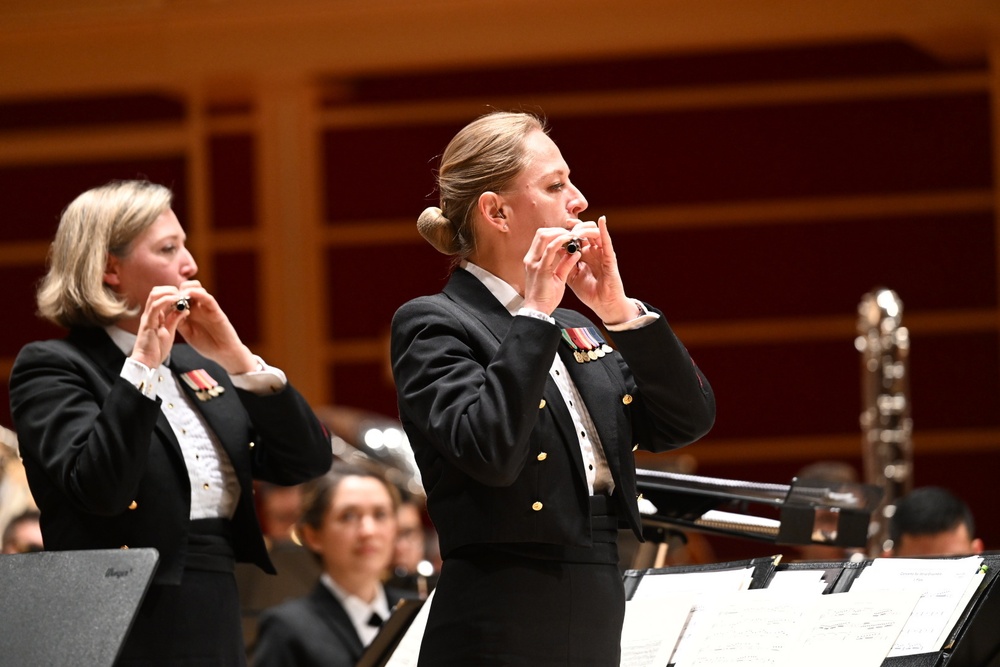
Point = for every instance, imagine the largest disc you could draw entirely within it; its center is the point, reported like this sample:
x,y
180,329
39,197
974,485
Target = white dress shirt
x,y
215,490
358,610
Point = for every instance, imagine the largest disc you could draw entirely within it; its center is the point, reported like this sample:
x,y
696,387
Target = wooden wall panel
x,y
233,181
365,285
22,325
92,110
788,151
802,62
381,172
236,285
365,385
811,268
33,196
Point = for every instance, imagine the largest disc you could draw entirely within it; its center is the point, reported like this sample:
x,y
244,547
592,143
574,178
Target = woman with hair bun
x,y
522,416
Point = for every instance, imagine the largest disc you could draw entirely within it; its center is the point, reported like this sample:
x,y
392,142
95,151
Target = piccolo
x,y
182,304
573,245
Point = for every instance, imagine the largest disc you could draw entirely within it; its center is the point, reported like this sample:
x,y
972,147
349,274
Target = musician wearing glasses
x,y
349,524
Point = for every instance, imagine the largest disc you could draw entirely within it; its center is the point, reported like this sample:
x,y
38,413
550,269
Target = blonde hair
x,y
100,222
485,156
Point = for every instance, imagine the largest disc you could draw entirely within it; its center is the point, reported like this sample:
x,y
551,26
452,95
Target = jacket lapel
x,y
217,411
467,291
336,618
593,379
107,357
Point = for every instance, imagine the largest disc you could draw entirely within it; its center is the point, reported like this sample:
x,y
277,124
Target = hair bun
x,y
437,230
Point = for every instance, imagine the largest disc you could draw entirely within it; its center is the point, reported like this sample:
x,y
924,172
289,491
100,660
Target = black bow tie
x,y
375,620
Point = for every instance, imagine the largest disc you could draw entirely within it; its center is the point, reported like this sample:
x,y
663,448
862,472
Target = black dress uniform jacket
x,y
105,467
491,434
310,631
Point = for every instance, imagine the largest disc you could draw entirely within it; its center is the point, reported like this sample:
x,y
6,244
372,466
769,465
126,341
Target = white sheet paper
x,y
945,586
652,628
765,628
408,649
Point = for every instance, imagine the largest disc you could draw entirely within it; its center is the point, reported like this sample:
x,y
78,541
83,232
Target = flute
x,y
182,304
573,245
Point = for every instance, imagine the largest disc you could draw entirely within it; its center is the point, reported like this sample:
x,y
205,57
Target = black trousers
x,y
192,625
500,606
195,624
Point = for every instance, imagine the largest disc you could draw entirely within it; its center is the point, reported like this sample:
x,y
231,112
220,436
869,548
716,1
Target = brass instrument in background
x,y
887,429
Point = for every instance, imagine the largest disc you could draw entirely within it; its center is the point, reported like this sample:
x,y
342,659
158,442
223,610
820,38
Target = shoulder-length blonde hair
x,y
485,156
100,222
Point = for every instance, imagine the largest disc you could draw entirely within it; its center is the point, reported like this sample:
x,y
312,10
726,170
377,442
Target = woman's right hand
x,y
158,326
546,267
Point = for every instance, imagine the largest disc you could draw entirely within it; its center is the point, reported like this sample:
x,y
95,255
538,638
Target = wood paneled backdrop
x,y
757,185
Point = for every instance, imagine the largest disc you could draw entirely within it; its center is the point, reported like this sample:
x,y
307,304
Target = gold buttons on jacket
x,y
627,399
205,486
132,505
541,404
252,444
123,547
542,456
537,506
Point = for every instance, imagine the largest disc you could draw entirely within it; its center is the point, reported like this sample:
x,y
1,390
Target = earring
x,y
505,228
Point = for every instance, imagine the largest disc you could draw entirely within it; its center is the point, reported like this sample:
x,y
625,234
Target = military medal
x,y
586,343
204,385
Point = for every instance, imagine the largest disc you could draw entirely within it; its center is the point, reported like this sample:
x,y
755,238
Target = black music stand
x,y
70,607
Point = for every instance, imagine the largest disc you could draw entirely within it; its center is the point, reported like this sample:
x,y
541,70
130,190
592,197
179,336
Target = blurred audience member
x,y
280,509
830,473
349,524
23,534
15,496
932,521
297,571
416,559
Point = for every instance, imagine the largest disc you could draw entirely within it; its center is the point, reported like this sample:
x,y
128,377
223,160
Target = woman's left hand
x,y
209,331
595,279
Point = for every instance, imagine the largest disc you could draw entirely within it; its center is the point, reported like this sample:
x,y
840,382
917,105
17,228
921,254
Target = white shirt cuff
x,y
645,317
265,380
537,314
140,376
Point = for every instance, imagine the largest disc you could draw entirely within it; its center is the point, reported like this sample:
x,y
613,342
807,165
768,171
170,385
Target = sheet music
x,y
784,629
408,649
945,585
663,585
807,581
706,585
857,631
652,628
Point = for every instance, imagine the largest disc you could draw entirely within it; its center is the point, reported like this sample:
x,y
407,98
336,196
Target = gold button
x,y
205,486
636,447
170,405
542,456
251,445
541,404
627,399
132,505
537,506
123,547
